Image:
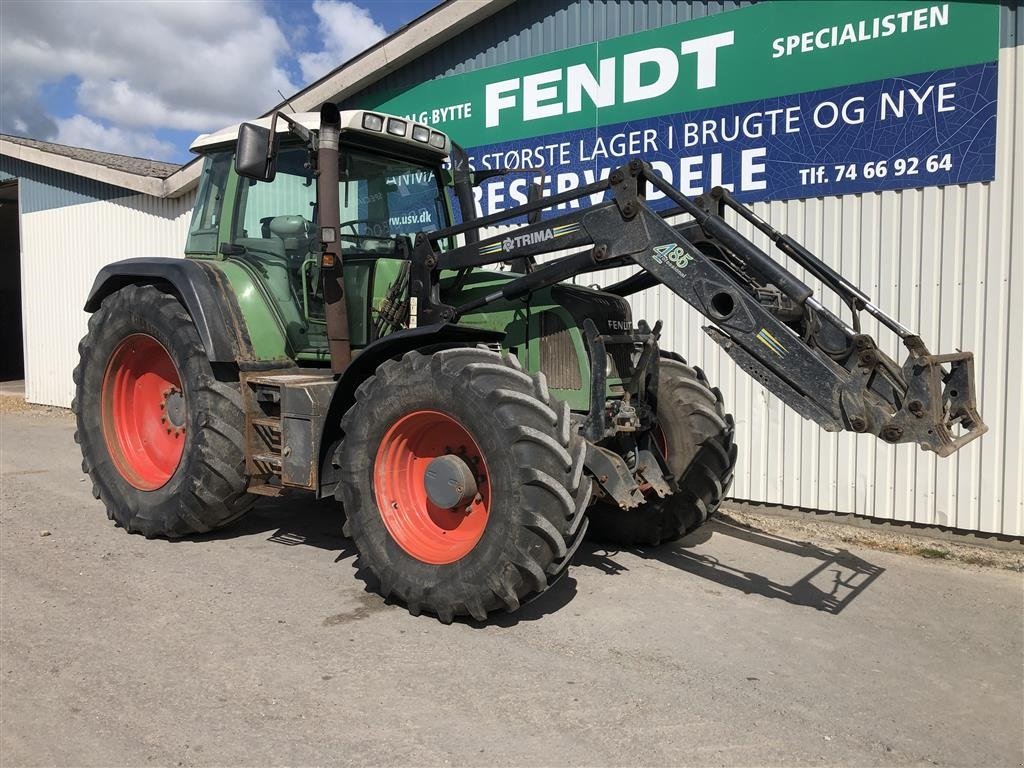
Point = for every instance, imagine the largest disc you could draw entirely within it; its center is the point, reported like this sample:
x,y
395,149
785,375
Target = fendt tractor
x,y
473,411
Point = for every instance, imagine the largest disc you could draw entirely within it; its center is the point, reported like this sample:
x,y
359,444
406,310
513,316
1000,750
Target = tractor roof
x,y
377,125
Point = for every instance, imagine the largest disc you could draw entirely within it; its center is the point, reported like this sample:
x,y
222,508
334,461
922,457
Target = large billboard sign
x,y
776,101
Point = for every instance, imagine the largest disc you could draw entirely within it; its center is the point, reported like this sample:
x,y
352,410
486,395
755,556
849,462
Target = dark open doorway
x,y
12,356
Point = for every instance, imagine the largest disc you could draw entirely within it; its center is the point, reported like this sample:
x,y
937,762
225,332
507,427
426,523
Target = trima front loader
x,y
332,331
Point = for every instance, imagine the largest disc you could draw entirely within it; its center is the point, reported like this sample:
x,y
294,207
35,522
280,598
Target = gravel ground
x,y
756,641
888,540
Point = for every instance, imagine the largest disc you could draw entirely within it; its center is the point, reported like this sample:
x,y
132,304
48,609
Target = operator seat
x,y
294,233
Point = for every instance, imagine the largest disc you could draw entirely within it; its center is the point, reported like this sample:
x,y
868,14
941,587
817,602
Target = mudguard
x,y
425,338
202,289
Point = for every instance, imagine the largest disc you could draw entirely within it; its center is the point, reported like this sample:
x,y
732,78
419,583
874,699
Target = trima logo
x,y
511,242
672,254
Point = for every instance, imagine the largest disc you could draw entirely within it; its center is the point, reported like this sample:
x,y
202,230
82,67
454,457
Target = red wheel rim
x,y
143,408
420,527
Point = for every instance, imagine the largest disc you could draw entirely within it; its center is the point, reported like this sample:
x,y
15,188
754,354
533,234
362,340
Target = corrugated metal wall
x,y
939,259
70,228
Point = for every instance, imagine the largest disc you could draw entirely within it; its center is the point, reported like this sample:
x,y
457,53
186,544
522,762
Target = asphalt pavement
x,y
260,646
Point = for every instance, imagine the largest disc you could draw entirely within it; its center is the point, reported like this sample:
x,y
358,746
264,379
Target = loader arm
x,y
762,315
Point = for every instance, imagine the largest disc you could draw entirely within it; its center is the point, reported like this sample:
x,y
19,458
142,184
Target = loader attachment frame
x,y
762,315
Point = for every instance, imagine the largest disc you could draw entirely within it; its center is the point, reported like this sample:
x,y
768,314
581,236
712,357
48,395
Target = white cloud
x,y
138,67
80,131
347,30
191,66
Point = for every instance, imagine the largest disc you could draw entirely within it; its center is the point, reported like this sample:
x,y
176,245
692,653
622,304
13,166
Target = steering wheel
x,y
375,222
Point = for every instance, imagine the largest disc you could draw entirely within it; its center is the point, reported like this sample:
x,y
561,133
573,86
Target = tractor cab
x,y
268,223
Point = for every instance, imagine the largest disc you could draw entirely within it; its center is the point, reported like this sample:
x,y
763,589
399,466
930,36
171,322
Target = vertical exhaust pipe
x,y
331,266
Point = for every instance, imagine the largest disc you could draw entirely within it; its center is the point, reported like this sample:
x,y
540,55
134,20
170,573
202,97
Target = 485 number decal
x,y
672,254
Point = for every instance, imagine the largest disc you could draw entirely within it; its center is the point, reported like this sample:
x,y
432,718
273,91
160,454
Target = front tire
x,y
508,543
161,437
696,436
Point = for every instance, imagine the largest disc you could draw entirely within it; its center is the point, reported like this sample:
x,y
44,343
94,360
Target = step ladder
x,y
285,413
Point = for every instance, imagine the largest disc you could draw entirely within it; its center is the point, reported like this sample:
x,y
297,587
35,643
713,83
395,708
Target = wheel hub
x,y
449,482
173,406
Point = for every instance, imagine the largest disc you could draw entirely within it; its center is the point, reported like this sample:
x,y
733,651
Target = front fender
x,y
203,290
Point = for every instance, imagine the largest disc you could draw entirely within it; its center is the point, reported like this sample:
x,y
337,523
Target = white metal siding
x,y
62,249
945,262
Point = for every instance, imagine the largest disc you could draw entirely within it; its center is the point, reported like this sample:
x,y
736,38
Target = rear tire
x,y
701,455
161,437
518,538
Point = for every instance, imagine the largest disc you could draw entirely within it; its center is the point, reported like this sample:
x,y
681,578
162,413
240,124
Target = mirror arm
x,y
482,176
295,127
462,180
272,145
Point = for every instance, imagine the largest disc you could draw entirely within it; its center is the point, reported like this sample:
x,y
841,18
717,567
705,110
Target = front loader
x,y
331,331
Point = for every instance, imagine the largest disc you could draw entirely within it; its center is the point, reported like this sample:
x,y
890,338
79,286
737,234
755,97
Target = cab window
x,y
275,220
383,198
203,233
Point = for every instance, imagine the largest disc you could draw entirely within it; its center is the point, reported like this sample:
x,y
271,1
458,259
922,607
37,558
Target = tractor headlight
x,y
437,140
421,133
372,122
396,127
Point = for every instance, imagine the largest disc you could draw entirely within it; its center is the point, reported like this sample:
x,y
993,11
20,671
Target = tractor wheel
x,y
695,435
162,438
462,481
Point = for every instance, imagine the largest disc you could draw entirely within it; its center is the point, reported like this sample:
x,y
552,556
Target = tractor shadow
x,y
835,578
291,522
301,521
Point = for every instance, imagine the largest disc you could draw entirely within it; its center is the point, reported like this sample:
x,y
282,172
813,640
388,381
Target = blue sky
x,y
144,78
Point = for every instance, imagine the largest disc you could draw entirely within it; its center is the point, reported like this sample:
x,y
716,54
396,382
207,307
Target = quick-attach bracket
x,y
426,307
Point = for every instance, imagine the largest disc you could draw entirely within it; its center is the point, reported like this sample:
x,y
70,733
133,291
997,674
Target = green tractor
x,y
333,331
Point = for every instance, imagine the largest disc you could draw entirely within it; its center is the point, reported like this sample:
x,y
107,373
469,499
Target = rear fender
x,y
427,338
203,290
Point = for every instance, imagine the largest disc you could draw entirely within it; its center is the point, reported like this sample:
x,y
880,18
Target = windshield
x,y
383,197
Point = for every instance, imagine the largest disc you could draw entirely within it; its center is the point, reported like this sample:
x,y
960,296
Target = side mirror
x,y
479,177
256,153
536,193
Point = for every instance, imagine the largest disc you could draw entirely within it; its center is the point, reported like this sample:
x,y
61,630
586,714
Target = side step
x,y
284,419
